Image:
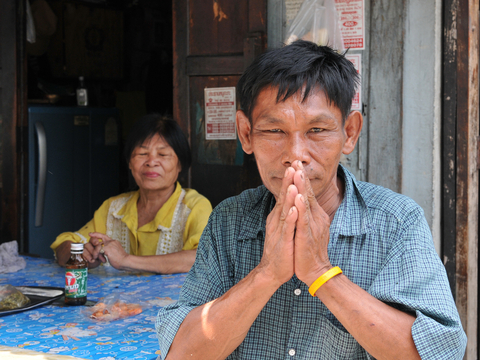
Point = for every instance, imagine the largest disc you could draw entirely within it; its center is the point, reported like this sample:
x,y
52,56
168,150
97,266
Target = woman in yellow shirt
x,y
157,227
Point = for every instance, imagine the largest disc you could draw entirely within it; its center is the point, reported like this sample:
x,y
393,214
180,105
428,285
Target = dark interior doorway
x,y
122,48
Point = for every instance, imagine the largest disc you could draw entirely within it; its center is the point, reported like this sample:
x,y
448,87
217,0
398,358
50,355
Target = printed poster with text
x,y
356,59
351,16
220,112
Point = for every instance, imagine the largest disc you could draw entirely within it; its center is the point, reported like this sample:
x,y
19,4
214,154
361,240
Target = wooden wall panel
x,y
467,170
460,127
220,167
217,26
88,41
180,54
213,42
449,109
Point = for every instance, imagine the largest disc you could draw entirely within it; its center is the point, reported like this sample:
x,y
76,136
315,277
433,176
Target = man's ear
x,y
244,131
353,126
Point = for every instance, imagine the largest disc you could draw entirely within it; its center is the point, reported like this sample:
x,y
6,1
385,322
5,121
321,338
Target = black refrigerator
x,y
73,166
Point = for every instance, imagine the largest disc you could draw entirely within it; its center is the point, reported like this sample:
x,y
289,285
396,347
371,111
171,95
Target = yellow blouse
x,y
117,217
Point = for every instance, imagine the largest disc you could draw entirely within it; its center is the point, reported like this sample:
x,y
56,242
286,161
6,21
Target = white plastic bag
x,y
317,21
116,306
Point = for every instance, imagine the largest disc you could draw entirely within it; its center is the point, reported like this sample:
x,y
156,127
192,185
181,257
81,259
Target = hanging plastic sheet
x,y
316,21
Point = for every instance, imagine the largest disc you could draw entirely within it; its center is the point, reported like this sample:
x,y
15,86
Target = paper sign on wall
x,y
220,109
356,59
351,16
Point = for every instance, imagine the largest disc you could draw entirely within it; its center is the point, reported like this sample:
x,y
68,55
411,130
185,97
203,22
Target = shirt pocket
x,y
248,255
335,344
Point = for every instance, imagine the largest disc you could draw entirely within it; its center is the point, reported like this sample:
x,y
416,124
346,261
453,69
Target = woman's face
x,y
154,165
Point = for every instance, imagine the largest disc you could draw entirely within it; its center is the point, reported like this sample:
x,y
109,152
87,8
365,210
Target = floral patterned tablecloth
x,y
67,330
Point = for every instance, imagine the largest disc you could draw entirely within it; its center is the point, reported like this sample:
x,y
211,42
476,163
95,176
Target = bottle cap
x,y
76,247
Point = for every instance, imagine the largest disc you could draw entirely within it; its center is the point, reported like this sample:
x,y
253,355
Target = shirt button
x,y
297,292
291,352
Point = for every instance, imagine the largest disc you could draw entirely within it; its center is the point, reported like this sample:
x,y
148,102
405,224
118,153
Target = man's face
x,y
311,131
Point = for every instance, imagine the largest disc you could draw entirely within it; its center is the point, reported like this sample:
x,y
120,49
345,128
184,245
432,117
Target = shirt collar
x,y
352,216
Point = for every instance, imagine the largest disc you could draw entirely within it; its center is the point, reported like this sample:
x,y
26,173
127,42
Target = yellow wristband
x,y
323,279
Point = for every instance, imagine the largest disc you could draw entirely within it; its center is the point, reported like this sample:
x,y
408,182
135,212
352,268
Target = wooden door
x,y
213,42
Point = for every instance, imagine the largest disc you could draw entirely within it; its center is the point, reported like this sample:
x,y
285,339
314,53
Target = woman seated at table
x,y
157,227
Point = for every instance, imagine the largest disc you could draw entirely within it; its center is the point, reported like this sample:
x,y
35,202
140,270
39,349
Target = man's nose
x,y
296,148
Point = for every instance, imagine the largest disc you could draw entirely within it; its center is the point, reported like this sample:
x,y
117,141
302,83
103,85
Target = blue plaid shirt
x,y
379,239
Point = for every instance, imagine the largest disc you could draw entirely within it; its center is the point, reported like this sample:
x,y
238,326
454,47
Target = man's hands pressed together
x,y
297,231
312,233
278,253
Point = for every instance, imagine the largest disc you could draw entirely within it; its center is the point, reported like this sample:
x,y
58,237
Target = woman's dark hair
x,y
302,64
150,125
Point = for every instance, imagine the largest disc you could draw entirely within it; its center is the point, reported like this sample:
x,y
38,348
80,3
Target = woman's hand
x,y
63,252
92,251
106,248
88,251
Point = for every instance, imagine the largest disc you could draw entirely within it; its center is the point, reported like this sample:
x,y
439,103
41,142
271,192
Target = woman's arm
x,y
177,262
61,245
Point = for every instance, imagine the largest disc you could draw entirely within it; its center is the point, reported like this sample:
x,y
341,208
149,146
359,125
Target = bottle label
x,y
76,283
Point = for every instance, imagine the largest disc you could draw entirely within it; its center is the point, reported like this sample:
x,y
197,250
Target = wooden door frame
x,y
180,81
460,130
13,113
185,66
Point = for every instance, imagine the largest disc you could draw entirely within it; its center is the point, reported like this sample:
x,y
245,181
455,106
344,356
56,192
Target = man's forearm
x,y
214,330
383,331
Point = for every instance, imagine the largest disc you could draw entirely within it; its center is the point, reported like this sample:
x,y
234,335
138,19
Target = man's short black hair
x,y
291,68
149,125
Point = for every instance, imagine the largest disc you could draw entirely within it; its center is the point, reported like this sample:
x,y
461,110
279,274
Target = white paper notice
x,y
356,59
351,16
220,112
